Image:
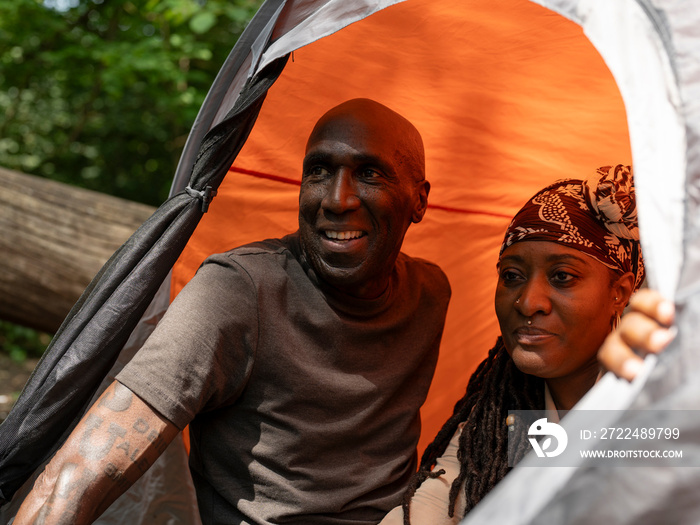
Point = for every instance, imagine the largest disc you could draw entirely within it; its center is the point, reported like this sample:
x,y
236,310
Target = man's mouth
x,y
344,235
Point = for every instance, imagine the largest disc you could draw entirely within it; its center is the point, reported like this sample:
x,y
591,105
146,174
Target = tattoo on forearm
x,y
153,436
65,485
143,465
141,426
117,476
89,449
118,438
117,398
43,514
101,440
67,515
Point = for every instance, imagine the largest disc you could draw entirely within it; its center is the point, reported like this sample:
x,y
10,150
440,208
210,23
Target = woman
x,y
568,265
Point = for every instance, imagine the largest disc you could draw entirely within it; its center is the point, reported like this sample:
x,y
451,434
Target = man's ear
x,y
623,288
423,188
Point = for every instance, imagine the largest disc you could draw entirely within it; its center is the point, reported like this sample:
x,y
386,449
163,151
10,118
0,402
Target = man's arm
x,y
117,440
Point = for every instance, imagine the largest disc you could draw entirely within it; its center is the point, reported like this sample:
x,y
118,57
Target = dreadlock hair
x,y
496,387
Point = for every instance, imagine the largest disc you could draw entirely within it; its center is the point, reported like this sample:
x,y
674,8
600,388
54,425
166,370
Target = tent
x,y
508,94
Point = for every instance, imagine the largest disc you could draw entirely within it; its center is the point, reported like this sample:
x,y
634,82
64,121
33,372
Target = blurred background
x,y
96,99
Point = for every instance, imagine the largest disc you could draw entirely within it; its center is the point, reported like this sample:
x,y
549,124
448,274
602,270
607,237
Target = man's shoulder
x,y
248,269
261,262
424,270
249,253
419,264
267,246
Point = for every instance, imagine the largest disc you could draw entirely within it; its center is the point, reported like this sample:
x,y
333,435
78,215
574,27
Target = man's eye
x,y
370,173
318,171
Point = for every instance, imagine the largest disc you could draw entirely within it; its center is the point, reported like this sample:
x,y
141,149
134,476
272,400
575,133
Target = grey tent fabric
x,y
165,493
226,86
100,323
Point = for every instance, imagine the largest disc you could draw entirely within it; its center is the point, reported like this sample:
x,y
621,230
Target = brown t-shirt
x,y
302,403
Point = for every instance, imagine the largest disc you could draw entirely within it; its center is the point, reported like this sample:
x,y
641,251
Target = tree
x,y
102,94
55,239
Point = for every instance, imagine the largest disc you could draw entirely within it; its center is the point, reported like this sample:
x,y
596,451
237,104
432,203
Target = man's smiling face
x,y
361,188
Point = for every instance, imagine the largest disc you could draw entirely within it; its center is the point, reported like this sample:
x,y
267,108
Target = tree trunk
x,y
54,240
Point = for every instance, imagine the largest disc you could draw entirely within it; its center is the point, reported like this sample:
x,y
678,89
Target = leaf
x,y
89,105
202,22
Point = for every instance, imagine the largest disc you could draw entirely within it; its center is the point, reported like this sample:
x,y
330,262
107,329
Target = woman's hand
x,y
646,328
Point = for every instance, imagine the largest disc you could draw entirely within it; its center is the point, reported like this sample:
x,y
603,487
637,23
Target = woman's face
x,y
569,300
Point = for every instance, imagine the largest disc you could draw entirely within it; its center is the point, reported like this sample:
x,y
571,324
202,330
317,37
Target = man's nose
x,y
341,195
534,298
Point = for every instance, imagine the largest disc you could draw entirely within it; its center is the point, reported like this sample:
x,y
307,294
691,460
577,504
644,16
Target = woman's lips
x,y
531,335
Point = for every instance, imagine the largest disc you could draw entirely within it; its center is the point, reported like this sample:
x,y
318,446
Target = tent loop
x,y
206,196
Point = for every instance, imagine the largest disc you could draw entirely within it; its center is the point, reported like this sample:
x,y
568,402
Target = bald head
x,y
362,117
363,185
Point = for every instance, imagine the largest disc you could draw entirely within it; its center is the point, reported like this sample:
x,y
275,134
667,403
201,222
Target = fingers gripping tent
x,y
509,95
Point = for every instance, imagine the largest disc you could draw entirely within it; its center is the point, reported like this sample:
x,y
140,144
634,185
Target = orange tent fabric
x,y
508,96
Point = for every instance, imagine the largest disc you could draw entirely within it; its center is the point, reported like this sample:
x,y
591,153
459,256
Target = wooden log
x,y
53,240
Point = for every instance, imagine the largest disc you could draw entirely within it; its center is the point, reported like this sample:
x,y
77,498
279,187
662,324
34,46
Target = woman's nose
x,y
341,195
534,298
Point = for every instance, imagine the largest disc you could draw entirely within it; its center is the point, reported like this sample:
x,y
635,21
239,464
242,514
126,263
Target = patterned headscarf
x,y
597,217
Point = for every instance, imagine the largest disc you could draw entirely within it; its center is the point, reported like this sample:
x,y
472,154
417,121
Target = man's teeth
x,y
343,236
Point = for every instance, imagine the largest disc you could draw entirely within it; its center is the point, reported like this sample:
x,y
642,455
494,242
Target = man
x,y
299,363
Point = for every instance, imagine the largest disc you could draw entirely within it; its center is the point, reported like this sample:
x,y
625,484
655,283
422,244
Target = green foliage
x,y
103,94
19,342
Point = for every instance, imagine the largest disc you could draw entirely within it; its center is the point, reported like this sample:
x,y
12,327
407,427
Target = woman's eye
x,y
509,276
563,277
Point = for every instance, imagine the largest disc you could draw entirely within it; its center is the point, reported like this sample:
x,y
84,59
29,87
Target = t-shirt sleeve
x,y
201,353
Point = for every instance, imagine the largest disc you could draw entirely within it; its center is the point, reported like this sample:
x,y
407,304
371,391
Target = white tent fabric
x,y
653,52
